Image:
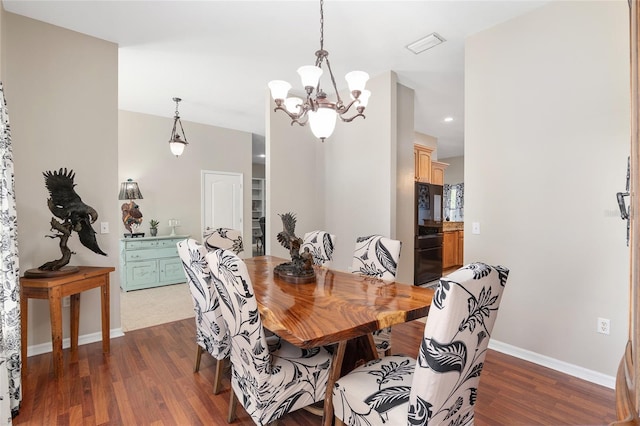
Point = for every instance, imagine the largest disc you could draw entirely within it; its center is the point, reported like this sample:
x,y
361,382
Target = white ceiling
x,y
218,56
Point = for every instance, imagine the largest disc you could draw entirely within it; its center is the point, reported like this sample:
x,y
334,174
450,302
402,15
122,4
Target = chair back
x,y
224,238
250,357
211,330
320,244
376,256
454,346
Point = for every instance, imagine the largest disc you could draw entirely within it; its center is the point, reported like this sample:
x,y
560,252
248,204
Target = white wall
x,y
171,186
61,89
546,146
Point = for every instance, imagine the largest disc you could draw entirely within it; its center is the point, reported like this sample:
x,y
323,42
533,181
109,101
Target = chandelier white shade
x,y
320,112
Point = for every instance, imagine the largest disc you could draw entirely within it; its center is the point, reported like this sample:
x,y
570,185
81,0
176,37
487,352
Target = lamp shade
x,y
279,89
129,191
322,122
364,98
293,104
356,80
176,145
310,75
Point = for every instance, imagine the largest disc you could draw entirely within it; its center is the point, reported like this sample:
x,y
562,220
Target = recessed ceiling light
x,y
426,43
448,119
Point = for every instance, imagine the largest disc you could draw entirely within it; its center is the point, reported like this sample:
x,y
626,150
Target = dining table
x,y
339,308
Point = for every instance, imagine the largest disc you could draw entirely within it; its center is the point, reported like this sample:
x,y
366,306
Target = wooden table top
x,y
338,306
83,273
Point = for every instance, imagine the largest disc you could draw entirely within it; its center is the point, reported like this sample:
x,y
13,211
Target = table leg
x,y
24,313
74,319
336,367
106,322
55,311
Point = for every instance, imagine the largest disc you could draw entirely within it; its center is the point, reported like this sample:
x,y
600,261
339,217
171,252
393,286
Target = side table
x,y
54,289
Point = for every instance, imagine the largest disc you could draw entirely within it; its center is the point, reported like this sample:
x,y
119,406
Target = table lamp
x,y
131,214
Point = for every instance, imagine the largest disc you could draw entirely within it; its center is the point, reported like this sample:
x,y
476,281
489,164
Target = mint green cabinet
x,y
150,262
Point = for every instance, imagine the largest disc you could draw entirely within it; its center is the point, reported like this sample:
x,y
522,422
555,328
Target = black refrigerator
x,y
428,233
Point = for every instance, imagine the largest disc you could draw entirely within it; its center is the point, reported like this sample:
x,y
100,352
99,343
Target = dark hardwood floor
x,y
148,379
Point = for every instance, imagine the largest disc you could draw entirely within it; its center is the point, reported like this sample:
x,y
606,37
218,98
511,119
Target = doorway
x,y
222,200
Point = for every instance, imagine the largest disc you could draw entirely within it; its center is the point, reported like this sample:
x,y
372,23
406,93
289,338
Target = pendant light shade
x,y
322,122
177,143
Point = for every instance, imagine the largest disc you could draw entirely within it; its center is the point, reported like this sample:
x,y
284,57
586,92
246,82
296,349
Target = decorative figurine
x,y
74,215
300,269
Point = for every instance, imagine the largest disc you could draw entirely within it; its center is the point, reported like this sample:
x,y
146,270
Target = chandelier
x,y
177,144
319,111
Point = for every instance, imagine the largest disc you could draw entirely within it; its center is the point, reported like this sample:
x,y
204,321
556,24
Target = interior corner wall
x,y
172,186
61,89
546,146
405,182
360,172
455,170
294,171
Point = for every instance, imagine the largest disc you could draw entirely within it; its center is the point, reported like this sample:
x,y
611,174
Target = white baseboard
x,y
554,364
44,348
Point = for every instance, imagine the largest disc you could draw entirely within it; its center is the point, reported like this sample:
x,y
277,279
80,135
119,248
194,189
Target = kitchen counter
x,y
452,226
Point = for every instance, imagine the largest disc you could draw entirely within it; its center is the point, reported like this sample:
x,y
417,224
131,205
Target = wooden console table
x,y
54,289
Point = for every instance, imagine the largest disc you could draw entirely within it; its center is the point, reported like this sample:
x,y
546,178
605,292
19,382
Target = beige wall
x,y
546,146
61,89
172,186
454,173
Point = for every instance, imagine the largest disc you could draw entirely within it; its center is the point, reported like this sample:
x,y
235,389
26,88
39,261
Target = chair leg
x,y
196,367
233,401
338,422
387,352
217,380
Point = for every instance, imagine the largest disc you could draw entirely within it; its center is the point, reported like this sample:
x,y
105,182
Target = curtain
x,y
10,362
454,202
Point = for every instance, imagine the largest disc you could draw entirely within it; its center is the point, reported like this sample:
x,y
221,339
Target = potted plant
x,y
153,227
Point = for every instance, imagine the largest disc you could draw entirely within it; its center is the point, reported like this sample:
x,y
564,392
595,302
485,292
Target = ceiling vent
x,y
426,43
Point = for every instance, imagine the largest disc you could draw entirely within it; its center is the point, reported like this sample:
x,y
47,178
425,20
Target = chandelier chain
x,y
321,25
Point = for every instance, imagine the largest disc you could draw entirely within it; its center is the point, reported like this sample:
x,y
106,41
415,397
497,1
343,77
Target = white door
x,y
222,200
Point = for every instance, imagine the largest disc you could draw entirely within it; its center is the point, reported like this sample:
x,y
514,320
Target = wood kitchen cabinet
x,y
449,249
452,249
422,159
437,172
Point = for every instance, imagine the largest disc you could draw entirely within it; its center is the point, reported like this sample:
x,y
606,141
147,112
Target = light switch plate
x,y
475,228
104,227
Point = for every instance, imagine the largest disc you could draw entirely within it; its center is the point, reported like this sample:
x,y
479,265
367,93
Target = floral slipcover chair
x,y
269,381
320,244
441,387
211,330
377,256
224,238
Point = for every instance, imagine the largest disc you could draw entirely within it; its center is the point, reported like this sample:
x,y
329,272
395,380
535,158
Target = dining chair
x,y
320,244
441,385
211,330
224,238
271,381
377,256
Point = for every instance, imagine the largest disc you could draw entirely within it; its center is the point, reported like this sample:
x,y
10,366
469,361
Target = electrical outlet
x,y
66,301
104,227
604,326
475,228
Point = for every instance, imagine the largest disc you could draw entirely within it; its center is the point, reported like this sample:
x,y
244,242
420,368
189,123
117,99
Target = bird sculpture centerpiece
x,y
73,215
300,269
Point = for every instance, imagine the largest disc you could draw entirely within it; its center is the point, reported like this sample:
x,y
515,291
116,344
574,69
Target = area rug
x,y
153,306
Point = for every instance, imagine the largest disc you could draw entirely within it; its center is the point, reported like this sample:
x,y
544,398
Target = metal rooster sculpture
x,y
66,205
300,269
